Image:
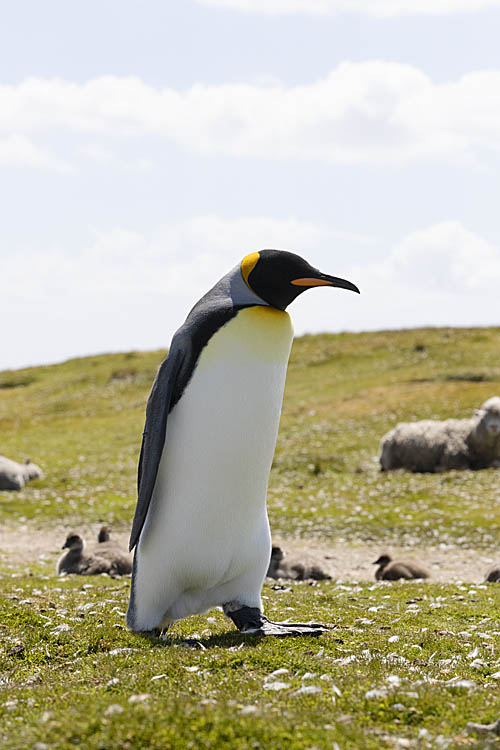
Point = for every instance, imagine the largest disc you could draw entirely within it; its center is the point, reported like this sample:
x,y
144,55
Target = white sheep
x,y
432,446
13,476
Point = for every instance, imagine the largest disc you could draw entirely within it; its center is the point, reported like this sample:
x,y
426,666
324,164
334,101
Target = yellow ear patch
x,y
248,264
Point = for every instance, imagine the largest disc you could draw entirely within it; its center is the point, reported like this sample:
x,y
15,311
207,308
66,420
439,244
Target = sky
x,y
147,147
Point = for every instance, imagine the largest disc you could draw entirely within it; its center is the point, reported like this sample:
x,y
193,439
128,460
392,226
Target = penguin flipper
x,y
153,439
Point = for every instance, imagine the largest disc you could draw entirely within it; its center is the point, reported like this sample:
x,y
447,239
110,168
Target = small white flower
x,y
248,710
478,663
465,684
375,693
308,690
116,651
63,627
114,708
140,698
277,673
276,686
394,679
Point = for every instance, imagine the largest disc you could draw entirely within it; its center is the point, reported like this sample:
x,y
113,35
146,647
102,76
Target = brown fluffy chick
x,y
293,568
82,562
393,570
111,550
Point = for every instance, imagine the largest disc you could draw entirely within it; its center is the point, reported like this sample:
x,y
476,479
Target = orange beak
x,y
311,282
324,280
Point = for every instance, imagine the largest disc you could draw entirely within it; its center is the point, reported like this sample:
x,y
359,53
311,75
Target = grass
x,y
82,421
400,659
405,665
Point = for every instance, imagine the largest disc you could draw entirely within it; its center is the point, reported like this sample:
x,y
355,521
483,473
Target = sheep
x,y
393,570
13,476
434,446
293,568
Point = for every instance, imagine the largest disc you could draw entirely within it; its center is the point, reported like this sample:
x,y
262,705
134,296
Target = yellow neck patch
x,y
247,265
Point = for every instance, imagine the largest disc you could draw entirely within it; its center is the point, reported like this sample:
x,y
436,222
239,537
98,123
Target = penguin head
x,y
103,535
278,277
276,554
73,542
383,560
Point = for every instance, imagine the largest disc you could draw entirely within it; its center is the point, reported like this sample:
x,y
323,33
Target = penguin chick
x,y
392,570
119,559
275,562
295,569
107,548
74,560
493,574
77,560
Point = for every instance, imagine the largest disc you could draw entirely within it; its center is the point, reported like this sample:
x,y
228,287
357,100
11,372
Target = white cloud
x,y
125,290
18,151
441,275
96,152
104,156
445,257
181,258
373,112
382,8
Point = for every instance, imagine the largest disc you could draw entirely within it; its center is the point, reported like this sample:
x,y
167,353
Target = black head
x,y
276,554
103,535
73,541
278,277
383,560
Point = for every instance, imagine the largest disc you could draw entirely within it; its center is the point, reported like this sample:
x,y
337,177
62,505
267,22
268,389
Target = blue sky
x,y
145,148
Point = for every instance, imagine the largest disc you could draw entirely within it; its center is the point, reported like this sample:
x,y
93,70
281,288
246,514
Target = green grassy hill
x,y
406,665
82,422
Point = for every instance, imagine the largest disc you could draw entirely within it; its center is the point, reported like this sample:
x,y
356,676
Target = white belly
x,y
206,539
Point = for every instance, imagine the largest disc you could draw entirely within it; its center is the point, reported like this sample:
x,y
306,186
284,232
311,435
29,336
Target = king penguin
x,y
200,531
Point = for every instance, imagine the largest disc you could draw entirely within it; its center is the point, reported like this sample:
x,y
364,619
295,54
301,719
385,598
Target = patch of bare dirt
x,y
343,562
24,544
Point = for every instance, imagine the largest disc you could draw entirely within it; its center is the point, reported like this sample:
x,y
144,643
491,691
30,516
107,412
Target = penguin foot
x,y
283,629
153,633
252,621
